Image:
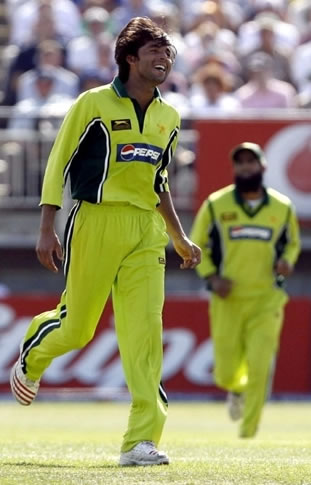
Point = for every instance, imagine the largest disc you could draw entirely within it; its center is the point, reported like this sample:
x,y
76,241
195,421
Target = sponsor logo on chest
x,y
139,152
117,125
228,216
250,232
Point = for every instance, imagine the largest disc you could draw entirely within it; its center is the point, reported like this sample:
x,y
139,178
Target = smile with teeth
x,y
159,67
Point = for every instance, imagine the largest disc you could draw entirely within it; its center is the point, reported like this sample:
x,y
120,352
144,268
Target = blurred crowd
x,y
232,54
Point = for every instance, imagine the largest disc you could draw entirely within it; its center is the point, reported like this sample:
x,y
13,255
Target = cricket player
x,y
115,145
250,242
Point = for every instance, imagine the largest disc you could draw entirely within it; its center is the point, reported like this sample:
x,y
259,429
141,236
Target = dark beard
x,y
248,184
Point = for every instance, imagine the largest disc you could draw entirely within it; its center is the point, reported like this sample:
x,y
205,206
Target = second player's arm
x,y
285,264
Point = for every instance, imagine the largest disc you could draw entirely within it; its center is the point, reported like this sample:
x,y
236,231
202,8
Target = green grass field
x,y
68,443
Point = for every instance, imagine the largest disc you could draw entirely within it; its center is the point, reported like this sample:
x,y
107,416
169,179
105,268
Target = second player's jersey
x,y
111,151
242,243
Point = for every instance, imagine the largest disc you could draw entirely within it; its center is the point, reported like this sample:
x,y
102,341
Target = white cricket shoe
x,y
143,454
23,389
235,402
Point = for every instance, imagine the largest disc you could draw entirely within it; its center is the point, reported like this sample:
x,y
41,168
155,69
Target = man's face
x,y
212,88
153,62
247,171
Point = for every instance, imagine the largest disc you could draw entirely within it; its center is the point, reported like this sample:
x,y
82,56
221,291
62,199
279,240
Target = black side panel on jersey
x,y
282,239
89,164
214,239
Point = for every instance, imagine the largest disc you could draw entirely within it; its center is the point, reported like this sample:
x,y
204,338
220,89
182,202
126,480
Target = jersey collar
x,y
121,91
246,208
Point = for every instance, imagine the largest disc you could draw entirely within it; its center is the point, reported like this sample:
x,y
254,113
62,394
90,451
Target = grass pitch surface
x,y
78,443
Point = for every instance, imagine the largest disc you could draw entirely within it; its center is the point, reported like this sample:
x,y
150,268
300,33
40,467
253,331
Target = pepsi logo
x,y
127,152
139,152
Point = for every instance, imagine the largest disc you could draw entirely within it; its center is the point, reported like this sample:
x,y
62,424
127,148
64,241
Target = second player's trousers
x,y
245,333
120,248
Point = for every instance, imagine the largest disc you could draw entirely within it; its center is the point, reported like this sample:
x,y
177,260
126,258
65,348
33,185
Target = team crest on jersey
x,y
118,125
250,232
139,152
228,216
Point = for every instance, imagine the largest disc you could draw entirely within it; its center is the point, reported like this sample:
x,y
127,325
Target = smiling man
x,y
115,145
250,242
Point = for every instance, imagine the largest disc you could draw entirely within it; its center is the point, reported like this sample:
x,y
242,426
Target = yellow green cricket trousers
x,y
115,247
245,335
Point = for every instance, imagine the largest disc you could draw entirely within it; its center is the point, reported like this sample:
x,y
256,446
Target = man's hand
x,y
48,244
188,251
221,286
283,267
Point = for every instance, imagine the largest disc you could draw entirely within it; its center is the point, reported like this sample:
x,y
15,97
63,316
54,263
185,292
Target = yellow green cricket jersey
x,y
243,244
111,151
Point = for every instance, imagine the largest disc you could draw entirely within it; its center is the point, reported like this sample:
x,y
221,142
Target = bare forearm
x,y
167,211
187,250
48,213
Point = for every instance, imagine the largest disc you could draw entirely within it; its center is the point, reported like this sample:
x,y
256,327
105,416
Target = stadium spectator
x,y
109,5
199,41
50,53
250,241
26,55
210,92
66,15
226,59
83,51
263,90
130,9
268,44
299,14
301,67
208,11
44,106
286,35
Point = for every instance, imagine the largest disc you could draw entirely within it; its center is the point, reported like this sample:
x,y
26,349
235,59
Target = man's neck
x,y
143,93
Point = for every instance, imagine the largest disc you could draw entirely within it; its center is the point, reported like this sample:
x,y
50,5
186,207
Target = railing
x,y
23,157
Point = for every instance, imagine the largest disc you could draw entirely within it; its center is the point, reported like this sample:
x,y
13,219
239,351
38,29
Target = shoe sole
x,y
21,393
142,463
